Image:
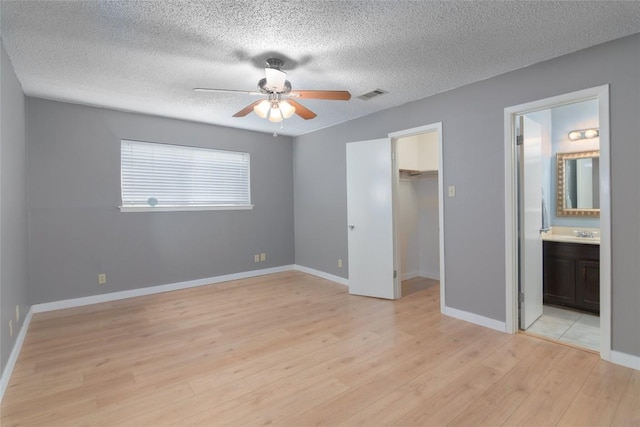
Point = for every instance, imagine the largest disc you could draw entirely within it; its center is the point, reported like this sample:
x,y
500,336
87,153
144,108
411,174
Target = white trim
x,y
185,208
417,130
114,296
434,127
409,275
510,223
624,359
13,357
322,274
429,275
475,319
602,94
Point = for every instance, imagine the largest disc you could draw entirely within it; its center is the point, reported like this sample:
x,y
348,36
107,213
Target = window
x,y
172,178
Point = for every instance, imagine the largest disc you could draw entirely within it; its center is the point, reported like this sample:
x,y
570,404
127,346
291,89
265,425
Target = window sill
x,y
184,208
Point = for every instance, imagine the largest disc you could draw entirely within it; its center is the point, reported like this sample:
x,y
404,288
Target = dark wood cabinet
x,y
571,275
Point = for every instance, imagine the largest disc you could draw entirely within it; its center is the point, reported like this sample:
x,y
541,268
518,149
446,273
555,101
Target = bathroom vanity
x,y
571,270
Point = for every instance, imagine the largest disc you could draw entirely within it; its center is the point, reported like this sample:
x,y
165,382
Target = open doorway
x,y
373,215
559,234
418,209
558,155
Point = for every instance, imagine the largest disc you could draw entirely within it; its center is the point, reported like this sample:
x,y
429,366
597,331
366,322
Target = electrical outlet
x,y
102,279
339,263
256,258
17,313
10,327
263,256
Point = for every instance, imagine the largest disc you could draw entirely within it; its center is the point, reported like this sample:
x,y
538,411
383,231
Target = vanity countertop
x,y
573,235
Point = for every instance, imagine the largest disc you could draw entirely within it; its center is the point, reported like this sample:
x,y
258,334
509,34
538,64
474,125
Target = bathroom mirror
x,y
578,184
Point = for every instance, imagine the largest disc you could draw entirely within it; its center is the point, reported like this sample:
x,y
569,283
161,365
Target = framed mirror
x,y
578,184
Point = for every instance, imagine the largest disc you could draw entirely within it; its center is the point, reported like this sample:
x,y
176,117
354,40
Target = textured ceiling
x,y
146,56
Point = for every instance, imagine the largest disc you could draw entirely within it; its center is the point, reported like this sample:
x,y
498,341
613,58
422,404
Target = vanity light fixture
x,y
576,135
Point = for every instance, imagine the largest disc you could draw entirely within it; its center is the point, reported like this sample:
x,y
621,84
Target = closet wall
x,y
418,206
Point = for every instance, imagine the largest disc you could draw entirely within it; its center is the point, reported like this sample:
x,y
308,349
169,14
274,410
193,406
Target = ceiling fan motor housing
x,y
262,87
276,63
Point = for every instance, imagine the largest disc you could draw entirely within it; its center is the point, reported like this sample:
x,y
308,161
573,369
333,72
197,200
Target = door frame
x,y
510,194
433,127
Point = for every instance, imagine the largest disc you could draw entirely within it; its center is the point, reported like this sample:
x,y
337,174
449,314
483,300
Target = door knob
x,y
351,227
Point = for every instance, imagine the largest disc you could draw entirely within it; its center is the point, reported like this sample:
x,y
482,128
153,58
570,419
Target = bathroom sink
x,y
590,236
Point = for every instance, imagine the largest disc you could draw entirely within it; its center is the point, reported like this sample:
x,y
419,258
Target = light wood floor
x,y
417,284
294,350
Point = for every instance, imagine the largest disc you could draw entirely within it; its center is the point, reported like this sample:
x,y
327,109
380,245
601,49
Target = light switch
x,y
452,191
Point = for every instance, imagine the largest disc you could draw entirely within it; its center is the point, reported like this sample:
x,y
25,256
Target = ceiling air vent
x,y
367,96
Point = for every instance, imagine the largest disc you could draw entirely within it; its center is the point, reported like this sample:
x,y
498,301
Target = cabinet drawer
x,y
572,250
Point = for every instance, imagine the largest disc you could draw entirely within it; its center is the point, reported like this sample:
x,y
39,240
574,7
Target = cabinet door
x,y
588,285
559,280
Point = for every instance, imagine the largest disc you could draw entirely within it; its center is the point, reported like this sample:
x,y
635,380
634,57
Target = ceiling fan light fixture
x,y
287,109
262,109
277,89
276,115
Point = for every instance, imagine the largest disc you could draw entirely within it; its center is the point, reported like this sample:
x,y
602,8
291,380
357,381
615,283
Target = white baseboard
x,y
322,274
624,359
430,275
409,275
13,357
114,296
476,319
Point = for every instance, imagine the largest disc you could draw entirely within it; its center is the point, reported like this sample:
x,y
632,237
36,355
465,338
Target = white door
x,y
370,218
531,208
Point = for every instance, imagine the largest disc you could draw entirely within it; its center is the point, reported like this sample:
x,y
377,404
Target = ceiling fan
x,y
280,102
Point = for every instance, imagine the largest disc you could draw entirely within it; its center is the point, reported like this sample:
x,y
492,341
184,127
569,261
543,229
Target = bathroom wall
x,y
583,115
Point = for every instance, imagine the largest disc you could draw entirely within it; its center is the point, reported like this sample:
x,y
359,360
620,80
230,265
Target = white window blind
x,y
172,177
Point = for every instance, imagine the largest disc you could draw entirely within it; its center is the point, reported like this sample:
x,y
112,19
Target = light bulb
x,y
287,109
276,115
262,108
574,135
591,133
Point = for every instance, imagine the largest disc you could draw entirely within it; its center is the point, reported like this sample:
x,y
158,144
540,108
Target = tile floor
x,y
568,326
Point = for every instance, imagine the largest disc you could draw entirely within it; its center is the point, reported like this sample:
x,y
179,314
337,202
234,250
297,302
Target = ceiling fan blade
x,y
246,110
301,110
275,79
336,95
246,92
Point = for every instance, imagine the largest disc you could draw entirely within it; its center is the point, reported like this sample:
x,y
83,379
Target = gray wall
x,y
13,208
472,118
76,230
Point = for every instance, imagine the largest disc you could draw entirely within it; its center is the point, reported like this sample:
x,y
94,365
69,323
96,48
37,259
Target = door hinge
x,y
395,274
521,297
519,140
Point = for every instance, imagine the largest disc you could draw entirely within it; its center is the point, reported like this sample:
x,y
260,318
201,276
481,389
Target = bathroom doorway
x,y
558,224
